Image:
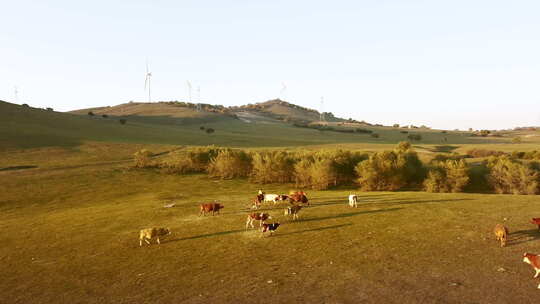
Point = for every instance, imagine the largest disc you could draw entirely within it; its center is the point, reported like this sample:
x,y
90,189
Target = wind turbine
x,y
147,81
189,90
322,118
282,91
16,93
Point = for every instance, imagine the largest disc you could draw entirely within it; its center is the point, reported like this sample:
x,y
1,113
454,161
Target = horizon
x,y
438,65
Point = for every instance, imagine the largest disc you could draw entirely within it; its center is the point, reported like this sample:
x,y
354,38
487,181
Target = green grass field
x,y
70,223
70,235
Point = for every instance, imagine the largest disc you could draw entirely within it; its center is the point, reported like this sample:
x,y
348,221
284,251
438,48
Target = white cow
x,y
272,198
353,200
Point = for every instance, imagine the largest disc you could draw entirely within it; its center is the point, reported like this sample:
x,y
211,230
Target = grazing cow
x,y
293,211
210,207
353,200
270,227
536,221
501,234
272,198
298,197
534,261
256,216
150,233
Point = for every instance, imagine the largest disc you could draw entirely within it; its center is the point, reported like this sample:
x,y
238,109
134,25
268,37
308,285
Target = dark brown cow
x,y
210,207
269,227
298,197
293,211
256,216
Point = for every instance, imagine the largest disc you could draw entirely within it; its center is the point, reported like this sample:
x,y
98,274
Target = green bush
x,y
510,176
272,167
230,164
390,170
447,176
195,160
143,159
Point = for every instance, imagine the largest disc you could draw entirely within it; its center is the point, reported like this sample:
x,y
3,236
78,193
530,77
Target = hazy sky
x,y
445,64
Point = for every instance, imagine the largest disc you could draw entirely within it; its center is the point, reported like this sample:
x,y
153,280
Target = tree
x,y
447,176
516,140
209,130
90,113
396,126
122,121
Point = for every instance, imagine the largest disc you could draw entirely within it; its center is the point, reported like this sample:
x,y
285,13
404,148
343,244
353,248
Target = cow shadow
x,y
343,215
523,236
314,229
220,233
411,202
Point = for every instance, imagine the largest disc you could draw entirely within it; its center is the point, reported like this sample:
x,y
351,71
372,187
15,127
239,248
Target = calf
x,y
255,216
150,233
536,221
298,197
269,227
353,200
501,234
534,261
293,211
210,207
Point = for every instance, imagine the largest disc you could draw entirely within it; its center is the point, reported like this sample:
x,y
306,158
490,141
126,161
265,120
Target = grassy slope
x,y
31,128
70,235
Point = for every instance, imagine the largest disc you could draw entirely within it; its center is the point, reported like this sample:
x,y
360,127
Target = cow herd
x,y
296,199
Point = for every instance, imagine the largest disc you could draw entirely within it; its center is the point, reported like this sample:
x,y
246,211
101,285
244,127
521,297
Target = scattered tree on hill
x,y
90,113
395,126
516,140
416,137
104,115
201,127
209,130
25,105
122,121
49,109
375,135
404,132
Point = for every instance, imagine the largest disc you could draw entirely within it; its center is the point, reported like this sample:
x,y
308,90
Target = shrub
x,y
484,153
510,176
25,105
104,115
195,160
143,159
90,113
516,140
209,131
49,109
416,137
230,164
395,125
390,170
447,176
272,167
201,127
375,135
122,121
364,131
403,146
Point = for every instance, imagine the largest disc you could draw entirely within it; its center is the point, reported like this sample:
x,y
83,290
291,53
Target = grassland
x,y
70,222
70,235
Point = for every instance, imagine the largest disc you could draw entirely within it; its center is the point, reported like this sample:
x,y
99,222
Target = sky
x,y
444,64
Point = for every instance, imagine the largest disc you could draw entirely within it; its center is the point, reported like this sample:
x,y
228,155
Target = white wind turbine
x,y
147,82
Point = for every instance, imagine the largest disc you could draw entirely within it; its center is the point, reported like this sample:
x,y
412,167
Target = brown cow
x,y
210,207
256,216
293,211
298,197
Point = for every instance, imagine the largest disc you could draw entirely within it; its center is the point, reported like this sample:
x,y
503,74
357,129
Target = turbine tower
x,y
282,91
189,90
147,82
322,118
199,106
16,93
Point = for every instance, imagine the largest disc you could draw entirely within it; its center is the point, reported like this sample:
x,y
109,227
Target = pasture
x,y
70,235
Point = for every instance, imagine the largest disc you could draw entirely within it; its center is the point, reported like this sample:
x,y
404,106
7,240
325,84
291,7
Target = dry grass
x,y
70,235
